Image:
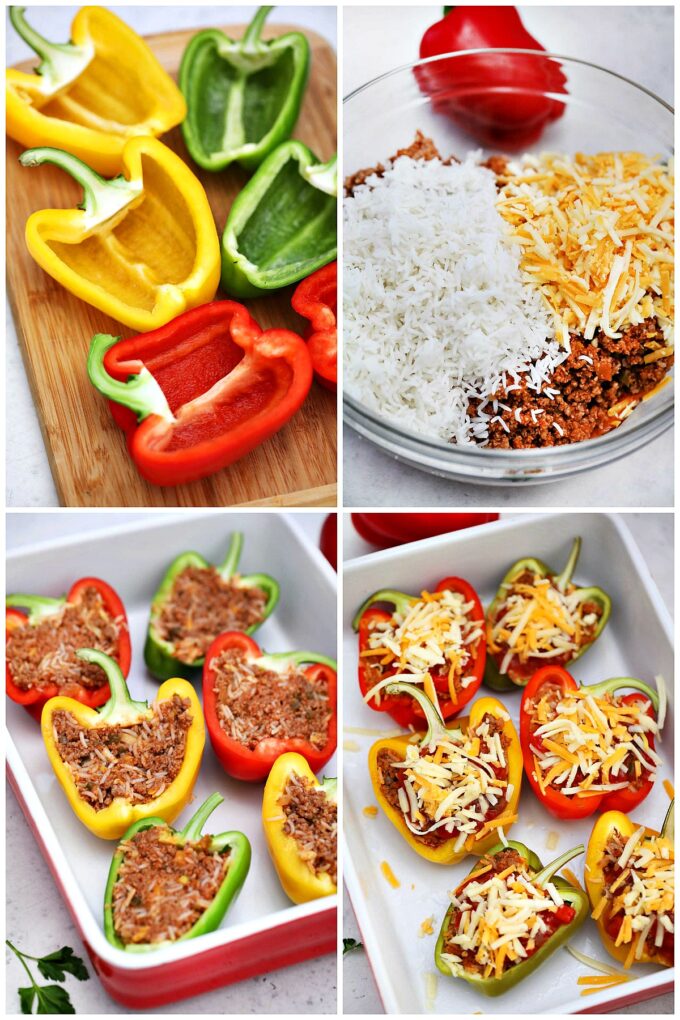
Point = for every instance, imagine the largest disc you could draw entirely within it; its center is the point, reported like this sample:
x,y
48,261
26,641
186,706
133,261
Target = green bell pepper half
x,y
575,898
493,677
239,849
243,96
159,655
283,224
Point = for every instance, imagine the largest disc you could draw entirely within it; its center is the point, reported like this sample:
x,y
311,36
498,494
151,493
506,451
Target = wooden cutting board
x,y
86,449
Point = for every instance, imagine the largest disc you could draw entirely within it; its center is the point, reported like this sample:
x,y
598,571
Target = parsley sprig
x,y
348,945
55,966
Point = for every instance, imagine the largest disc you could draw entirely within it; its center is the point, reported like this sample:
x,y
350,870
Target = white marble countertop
x,y
28,478
654,536
36,917
636,42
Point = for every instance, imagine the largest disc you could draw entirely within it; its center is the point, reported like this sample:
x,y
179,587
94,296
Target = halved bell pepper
x,y
142,247
283,224
92,94
569,917
298,880
201,392
243,96
39,608
519,673
580,806
120,710
253,766
609,924
316,299
445,852
159,654
235,844
403,709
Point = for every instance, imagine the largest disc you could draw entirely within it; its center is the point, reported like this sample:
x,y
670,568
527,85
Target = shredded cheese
x,y
389,875
371,811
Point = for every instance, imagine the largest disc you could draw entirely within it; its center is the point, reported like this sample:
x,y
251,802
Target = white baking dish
x,y
133,559
636,642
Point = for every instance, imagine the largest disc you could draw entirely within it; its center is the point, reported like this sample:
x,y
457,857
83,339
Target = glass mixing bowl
x,y
603,111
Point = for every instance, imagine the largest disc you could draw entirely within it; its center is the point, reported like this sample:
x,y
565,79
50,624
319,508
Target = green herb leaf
x,y
54,999
57,965
350,944
26,996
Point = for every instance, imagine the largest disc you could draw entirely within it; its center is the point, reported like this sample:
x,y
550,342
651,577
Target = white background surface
x,y
37,920
653,534
634,41
29,481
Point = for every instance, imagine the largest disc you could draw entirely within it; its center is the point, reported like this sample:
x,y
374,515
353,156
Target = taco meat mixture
x,y
312,821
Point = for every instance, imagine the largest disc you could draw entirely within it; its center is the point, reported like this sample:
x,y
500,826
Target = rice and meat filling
x,y
164,887
136,762
202,605
43,654
312,821
254,703
453,789
439,335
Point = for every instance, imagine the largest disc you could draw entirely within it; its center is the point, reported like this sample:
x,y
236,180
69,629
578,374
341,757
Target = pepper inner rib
x,y
164,887
255,704
136,762
201,605
638,902
500,918
537,624
43,654
312,820
450,789
583,744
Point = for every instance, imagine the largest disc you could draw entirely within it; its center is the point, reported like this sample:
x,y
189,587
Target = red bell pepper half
x,y
402,707
581,806
202,391
498,98
252,766
385,530
39,608
316,299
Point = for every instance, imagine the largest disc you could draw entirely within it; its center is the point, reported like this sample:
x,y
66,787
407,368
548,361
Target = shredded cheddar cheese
x,y
389,875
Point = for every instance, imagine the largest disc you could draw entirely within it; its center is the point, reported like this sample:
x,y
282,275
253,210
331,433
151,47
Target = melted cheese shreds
x,y
426,927
389,875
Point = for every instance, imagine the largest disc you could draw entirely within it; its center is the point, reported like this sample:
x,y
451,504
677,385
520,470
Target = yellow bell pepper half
x,y
479,843
92,94
112,821
142,247
298,880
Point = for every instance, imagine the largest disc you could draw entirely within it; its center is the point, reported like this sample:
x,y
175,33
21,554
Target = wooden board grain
x,y
86,450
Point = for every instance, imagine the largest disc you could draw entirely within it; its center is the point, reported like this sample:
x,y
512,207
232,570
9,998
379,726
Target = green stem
x,y
322,176
668,827
141,392
399,600
59,63
563,579
102,198
194,827
251,42
20,957
330,787
550,869
230,564
277,659
120,709
38,606
435,724
618,683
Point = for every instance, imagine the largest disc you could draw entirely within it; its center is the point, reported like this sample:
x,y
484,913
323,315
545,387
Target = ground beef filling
x,y
312,821
44,654
254,703
136,762
201,606
163,887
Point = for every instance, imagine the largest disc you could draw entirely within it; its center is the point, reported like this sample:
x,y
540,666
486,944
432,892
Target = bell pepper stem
x,y
102,199
251,42
322,176
435,724
668,827
120,709
563,579
330,787
619,682
194,827
60,63
550,869
399,600
141,392
38,606
229,566
279,660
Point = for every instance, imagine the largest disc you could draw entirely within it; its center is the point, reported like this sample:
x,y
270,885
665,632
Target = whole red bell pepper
x,y
239,761
316,299
201,392
385,530
402,707
40,608
498,98
581,806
